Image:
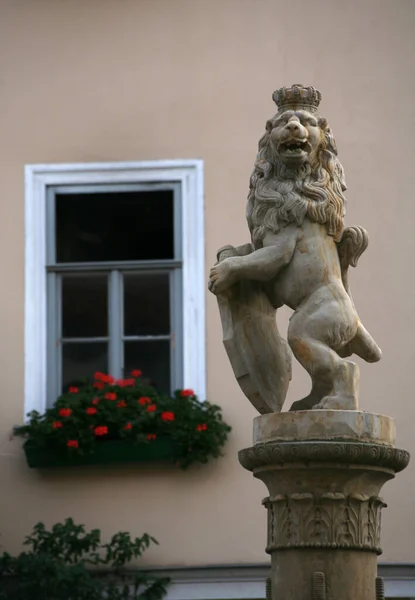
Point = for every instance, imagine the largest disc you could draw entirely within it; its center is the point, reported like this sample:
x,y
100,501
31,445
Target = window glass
x,y
84,306
99,227
146,304
81,360
153,358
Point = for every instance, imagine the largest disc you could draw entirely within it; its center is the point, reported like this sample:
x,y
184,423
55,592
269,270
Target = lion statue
x,y
299,256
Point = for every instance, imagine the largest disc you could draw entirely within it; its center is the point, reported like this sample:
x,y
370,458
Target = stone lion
x,y
299,256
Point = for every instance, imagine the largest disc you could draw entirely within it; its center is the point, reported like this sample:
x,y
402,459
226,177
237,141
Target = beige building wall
x,y
130,80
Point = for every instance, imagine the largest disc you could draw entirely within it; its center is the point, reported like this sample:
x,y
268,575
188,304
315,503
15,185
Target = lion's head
x,y
296,174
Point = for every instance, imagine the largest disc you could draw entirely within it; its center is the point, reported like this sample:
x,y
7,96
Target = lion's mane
x,y
279,196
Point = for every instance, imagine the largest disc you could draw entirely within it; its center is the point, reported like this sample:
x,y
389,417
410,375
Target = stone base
x,y
324,471
324,425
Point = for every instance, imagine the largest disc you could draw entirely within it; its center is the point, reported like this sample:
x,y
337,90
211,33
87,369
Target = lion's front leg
x,y
260,265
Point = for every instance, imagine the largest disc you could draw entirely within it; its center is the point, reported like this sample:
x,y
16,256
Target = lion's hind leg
x,y
362,345
323,324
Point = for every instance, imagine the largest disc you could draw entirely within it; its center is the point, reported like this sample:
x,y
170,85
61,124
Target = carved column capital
x,y
331,520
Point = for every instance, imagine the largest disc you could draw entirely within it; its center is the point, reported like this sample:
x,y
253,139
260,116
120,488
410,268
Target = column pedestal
x,y
324,471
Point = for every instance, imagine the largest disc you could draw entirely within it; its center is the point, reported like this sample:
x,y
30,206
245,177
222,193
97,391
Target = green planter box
x,y
105,453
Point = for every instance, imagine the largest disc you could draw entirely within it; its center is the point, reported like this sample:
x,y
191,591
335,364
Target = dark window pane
x,y
146,304
84,306
153,358
80,361
114,226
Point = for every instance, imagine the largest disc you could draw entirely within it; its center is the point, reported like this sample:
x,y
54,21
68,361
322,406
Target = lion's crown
x,y
297,97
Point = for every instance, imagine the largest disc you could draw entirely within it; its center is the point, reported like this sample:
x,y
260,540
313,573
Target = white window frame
x,y
38,178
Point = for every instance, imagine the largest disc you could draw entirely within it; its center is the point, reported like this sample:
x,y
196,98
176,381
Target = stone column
x,y
324,470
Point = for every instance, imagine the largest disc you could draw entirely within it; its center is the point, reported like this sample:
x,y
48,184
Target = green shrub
x,y
63,564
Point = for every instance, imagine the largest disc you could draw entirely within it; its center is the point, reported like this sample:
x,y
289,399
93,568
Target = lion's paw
x,y
222,275
337,402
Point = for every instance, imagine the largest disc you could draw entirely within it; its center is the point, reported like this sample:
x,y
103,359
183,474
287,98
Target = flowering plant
x,y
128,409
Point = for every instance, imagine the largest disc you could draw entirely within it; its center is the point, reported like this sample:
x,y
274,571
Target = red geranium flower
x,y
167,416
72,444
65,412
124,382
73,390
91,410
144,400
57,424
151,436
128,426
95,401
121,404
201,427
101,430
102,377
110,396
151,408
136,373
185,393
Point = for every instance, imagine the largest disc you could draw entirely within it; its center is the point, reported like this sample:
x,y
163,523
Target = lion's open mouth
x,y
294,147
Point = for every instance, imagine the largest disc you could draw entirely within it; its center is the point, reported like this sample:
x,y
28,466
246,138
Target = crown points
x,y
297,96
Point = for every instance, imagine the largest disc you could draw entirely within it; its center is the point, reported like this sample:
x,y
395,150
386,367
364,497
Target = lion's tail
x,y
353,243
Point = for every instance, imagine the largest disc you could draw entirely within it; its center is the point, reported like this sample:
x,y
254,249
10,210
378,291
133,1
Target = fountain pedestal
x,y
324,470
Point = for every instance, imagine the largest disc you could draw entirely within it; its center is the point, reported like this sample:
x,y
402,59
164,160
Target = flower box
x,y
110,420
104,453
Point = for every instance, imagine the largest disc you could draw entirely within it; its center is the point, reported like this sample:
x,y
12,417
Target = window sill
x,y
105,453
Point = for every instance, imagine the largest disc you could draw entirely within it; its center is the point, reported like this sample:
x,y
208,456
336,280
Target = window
x,y
114,259
114,275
